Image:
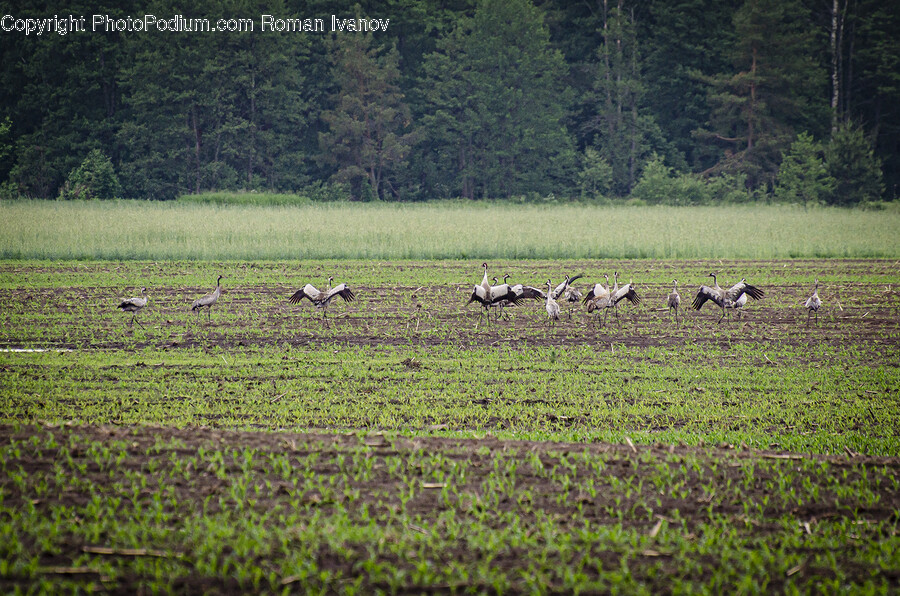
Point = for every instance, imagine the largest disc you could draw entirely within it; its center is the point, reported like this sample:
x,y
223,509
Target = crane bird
x,y
564,286
133,305
552,305
522,292
674,299
501,289
322,298
488,295
209,299
725,298
739,305
567,292
526,292
573,297
626,292
598,297
812,304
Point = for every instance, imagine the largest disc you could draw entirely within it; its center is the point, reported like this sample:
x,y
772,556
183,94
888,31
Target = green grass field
x,y
410,445
148,230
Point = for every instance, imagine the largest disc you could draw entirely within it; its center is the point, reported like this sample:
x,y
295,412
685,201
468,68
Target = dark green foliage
x,y
471,98
851,161
596,176
683,38
245,198
495,105
872,79
659,185
370,131
803,176
757,104
95,178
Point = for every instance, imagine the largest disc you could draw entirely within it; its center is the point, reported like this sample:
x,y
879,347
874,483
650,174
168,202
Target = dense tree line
x,y
684,101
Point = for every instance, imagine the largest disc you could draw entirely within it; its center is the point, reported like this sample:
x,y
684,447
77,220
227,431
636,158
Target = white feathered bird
x,y
552,305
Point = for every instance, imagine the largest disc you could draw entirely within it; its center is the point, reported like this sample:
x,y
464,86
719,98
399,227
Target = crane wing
x,y
626,292
308,291
503,292
558,290
340,290
572,295
203,301
131,303
705,293
479,295
597,292
528,292
740,288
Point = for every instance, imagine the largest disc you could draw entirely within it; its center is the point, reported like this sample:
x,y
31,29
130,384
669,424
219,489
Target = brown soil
x,y
152,448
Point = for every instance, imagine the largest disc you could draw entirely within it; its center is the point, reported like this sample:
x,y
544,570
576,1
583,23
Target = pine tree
x,y
850,159
803,176
370,127
495,105
625,134
683,39
775,87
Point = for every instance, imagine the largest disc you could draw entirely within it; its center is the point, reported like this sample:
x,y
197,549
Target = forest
x,y
652,101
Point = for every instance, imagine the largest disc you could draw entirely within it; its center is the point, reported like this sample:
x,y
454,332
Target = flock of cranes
x,y
599,297
602,298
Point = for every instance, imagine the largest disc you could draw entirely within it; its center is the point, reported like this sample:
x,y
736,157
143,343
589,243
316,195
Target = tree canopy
x,y
481,99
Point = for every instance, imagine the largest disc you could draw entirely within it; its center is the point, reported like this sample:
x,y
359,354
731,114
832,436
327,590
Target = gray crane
x,y
133,305
488,295
626,292
321,299
725,298
674,299
562,289
552,305
812,305
598,297
522,292
209,299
